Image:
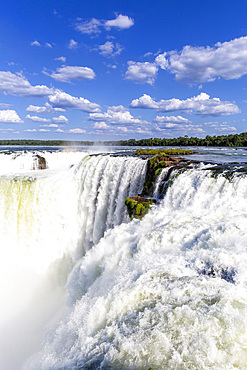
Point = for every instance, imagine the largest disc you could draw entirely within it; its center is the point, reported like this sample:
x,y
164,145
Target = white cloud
x,y
4,105
72,44
48,45
165,119
101,125
113,66
199,105
141,72
116,115
227,60
60,119
92,27
62,59
37,119
148,54
17,84
44,110
68,73
35,43
76,131
44,130
52,125
31,130
168,127
59,130
89,27
109,49
162,61
62,100
9,116
121,21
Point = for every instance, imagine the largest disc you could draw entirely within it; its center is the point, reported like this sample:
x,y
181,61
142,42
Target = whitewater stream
x,y
85,287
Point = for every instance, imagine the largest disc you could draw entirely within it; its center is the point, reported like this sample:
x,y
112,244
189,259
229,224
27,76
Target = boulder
x,y
42,165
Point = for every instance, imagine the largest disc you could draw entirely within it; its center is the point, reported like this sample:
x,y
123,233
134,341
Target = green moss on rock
x,y
138,206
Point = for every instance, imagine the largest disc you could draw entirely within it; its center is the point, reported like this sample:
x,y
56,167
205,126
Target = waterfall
x,y
48,220
167,292
83,287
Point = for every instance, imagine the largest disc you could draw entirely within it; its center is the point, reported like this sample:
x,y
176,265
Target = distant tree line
x,y
27,142
222,140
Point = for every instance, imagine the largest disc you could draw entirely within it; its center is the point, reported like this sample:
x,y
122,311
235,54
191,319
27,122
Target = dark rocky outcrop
x,y
154,167
42,165
138,206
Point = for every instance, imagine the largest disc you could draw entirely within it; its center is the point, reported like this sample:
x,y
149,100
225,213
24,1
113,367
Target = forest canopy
x,y
222,140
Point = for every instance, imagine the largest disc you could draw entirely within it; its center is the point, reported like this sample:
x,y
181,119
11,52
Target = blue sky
x,y
113,70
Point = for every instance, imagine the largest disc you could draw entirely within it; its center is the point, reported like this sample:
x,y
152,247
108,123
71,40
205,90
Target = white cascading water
x,y
167,292
48,219
159,183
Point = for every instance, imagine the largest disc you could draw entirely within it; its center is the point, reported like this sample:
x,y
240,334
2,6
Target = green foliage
x,y
137,209
164,152
130,203
236,140
158,172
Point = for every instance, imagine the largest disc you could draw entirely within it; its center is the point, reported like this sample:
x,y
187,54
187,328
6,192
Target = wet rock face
x,y
154,167
42,165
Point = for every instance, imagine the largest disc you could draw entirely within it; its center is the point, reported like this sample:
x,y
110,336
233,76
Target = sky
x,y
114,70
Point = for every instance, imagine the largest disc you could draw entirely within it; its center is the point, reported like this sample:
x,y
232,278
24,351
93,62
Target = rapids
x,y
86,288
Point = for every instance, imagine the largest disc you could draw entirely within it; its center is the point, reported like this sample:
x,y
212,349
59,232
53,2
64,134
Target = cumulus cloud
x,y
227,60
101,125
92,27
60,119
72,44
31,130
17,84
51,125
62,100
168,127
37,119
68,73
44,130
201,104
76,131
121,22
89,27
9,116
141,72
116,115
173,119
35,43
62,59
44,110
109,49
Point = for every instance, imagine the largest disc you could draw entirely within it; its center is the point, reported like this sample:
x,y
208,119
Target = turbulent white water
x,y
48,219
167,292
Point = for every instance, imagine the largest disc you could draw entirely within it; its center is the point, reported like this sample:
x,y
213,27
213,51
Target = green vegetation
x,y
222,140
237,140
163,152
137,206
